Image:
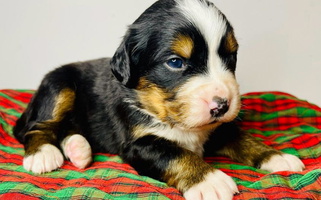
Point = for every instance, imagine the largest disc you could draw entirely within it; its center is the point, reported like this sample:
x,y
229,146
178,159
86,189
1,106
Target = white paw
x,y
77,149
283,162
216,186
48,158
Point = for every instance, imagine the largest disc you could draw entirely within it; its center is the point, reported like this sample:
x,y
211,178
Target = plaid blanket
x,y
279,119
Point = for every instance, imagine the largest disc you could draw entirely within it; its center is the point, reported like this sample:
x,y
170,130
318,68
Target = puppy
x,y
167,97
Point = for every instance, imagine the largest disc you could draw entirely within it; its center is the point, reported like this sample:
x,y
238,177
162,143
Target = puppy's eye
x,y
175,63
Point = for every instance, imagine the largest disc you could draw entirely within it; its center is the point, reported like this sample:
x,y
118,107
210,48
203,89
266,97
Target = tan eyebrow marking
x,y
183,46
231,43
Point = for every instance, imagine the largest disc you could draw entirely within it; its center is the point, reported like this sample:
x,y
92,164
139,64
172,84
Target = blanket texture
x,y
279,119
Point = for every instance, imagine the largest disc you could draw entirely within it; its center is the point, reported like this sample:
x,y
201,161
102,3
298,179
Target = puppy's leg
x,y
43,128
165,160
243,147
77,149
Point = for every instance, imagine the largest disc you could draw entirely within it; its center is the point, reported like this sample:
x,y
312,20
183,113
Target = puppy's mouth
x,y
206,126
219,111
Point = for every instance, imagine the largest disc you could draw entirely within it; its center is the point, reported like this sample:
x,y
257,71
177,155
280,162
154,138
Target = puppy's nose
x,y
219,106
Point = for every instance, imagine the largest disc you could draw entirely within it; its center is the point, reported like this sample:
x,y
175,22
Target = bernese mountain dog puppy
x,y
165,99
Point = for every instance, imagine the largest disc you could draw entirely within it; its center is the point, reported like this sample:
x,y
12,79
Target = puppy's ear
x,y
123,64
120,64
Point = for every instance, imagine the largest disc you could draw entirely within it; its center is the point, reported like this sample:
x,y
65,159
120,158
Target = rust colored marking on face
x,y
152,98
231,43
183,46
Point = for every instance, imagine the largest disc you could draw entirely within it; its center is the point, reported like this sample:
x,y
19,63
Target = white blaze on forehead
x,y
212,25
207,18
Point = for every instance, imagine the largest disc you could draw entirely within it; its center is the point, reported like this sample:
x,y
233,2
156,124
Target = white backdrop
x,y
280,40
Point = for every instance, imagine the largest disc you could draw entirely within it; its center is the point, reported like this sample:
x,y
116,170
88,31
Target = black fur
x,y
150,155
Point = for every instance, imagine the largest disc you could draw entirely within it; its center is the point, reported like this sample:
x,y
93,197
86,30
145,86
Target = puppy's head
x,y
180,56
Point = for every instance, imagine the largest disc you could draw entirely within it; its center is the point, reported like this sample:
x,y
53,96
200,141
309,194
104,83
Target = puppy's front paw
x,y
78,150
46,159
283,162
216,186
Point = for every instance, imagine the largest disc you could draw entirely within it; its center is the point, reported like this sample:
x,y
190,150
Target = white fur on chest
x,y
191,140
